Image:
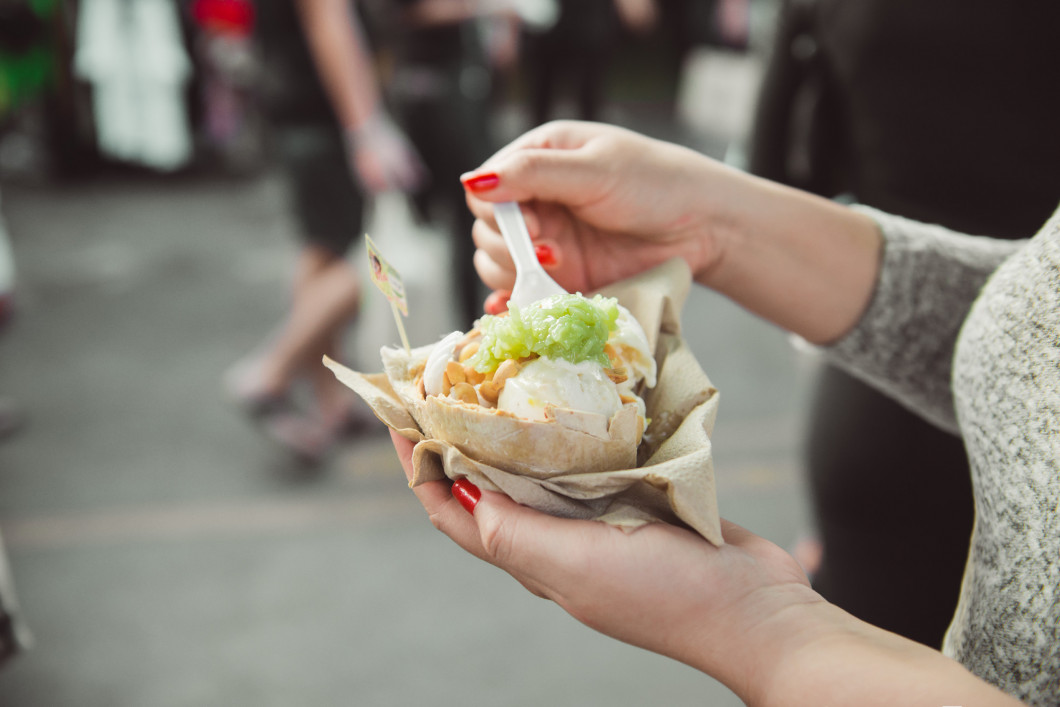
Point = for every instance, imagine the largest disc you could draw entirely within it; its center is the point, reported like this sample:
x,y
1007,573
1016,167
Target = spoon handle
x,y
532,283
516,237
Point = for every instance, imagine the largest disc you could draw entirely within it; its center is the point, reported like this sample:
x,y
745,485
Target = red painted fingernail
x,y
544,254
482,182
467,493
497,303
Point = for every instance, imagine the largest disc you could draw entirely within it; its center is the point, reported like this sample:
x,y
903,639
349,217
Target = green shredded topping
x,y
571,327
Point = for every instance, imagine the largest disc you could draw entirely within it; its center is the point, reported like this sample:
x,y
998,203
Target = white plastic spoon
x,y
532,283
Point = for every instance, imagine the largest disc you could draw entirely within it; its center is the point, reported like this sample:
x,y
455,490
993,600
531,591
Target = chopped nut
x,y
455,373
422,390
489,391
447,384
617,375
493,384
472,376
471,337
468,351
465,393
506,370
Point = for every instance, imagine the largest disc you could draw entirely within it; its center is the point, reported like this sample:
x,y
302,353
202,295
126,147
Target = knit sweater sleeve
x,y
904,341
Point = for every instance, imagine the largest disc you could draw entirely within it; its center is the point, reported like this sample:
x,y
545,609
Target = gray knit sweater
x,y
966,331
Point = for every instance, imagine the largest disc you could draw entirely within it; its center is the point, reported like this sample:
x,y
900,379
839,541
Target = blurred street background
x,y
165,554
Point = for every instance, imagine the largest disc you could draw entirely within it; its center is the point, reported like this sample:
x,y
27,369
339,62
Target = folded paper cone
x,y
557,466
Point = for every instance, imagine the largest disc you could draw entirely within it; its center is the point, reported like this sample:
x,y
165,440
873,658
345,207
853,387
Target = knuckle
x,y
496,541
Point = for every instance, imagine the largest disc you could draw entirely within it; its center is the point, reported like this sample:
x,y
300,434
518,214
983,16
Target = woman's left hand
x,y
660,587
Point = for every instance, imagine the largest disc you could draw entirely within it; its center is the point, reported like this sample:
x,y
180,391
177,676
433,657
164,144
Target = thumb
x,y
567,176
542,551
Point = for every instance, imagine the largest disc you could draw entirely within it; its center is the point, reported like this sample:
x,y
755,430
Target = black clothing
x,y
944,112
437,90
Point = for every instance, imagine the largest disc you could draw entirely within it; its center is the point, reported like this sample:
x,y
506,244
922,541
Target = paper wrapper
x,y
565,472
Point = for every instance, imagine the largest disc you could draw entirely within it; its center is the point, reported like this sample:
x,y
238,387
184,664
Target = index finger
x,y
445,512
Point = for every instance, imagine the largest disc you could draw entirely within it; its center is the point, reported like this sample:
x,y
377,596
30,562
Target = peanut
x,y
455,373
465,393
506,370
489,391
469,350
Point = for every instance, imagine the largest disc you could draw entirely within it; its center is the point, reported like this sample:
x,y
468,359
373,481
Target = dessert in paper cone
x,y
622,438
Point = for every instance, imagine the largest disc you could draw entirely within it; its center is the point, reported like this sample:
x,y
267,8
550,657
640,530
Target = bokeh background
x,y
163,552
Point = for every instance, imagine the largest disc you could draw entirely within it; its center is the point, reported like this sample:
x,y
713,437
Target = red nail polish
x,y
467,493
544,254
482,182
497,303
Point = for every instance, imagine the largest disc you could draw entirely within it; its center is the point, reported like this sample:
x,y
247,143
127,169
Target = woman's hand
x,y
382,157
742,613
603,202
661,587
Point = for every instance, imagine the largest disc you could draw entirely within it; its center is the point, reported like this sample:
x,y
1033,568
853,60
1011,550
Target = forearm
x,y
442,12
813,654
864,665
337,43
802,262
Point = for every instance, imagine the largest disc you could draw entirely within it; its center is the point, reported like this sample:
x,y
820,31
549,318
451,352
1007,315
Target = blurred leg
x,y
327,295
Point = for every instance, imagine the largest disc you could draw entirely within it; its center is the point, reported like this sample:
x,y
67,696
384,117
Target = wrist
x,y
800,261
763,635
367,127
786,650
815,653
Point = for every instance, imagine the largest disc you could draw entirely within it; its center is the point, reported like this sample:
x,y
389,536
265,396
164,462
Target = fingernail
x,y
545,254
467,493
497,303
482,182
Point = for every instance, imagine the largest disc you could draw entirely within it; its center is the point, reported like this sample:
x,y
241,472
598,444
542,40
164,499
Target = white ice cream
x,y
440,356
630,346
578,386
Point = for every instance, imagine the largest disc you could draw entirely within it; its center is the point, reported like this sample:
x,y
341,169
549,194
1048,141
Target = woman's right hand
x,y
604,202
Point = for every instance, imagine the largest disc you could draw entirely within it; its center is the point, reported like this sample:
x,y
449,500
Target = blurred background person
x,y
339,144
12,414
20,29
438,68
223,48
336,144
14,634
577,49
943,112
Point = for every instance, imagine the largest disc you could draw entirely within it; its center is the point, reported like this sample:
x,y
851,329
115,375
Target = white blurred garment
x,y
132,53
7,261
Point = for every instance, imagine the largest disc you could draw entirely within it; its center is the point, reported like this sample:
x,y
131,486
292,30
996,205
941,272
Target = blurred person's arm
x,y
440,12
638,16
381,156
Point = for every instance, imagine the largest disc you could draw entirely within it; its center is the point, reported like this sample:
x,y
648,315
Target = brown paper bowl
x,y
549,466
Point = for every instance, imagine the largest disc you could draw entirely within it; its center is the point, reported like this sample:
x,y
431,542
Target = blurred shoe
x,y
356,422
276,415
304,438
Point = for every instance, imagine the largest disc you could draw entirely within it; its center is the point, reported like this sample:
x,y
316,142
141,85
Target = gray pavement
x,y
166,555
